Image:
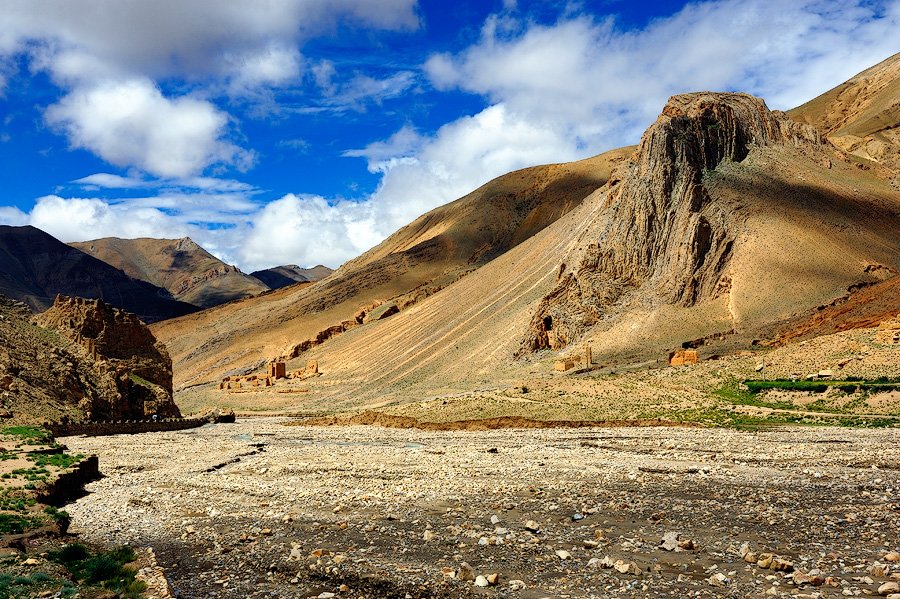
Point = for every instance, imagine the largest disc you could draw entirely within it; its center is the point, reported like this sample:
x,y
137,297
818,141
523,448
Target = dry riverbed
x,y
259,509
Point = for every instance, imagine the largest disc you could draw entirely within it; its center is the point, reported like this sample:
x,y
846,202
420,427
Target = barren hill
x,y
289,274
35,267
423,257
727,220
186,270
861,116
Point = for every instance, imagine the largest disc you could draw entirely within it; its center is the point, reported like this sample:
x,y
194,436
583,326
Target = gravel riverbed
x,y
260,509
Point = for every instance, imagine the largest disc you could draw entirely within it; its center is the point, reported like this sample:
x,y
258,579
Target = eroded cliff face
x,y
658,230
120,347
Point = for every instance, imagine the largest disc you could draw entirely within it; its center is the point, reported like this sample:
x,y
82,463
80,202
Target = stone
x,y
889,588
717,580
670,541
516,585
481,581
562,554
892,556
427,535
465,573
492,578
532,526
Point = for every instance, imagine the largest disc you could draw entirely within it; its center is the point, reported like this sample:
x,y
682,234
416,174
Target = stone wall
x,y
124,427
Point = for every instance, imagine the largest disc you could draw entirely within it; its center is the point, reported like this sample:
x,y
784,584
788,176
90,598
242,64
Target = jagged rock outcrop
x,y
121,345
658,229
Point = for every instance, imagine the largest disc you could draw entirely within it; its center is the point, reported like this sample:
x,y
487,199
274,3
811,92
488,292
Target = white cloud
x,y
92,39
71,219
273,66
306,230
10,215
603,86
130,123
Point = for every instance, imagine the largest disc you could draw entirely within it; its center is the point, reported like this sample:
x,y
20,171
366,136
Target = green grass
x,y
30,435
104,569
22,587
15,503
848,386
59,460
13,524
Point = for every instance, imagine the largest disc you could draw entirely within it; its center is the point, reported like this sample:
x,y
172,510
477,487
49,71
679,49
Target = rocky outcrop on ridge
x,y
658,230
120,345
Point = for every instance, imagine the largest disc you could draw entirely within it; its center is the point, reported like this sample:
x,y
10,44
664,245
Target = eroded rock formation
x,y
658,229
122,349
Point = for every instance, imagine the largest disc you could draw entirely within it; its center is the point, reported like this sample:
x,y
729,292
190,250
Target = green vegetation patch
x,y
27,586
105,569
847,386
14,524
30,435
58,460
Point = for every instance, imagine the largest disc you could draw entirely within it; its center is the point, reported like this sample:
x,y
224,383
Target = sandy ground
x,y
259,509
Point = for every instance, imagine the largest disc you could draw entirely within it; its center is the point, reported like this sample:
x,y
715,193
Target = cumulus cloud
x,y
604,85
130,123
69,219
92,39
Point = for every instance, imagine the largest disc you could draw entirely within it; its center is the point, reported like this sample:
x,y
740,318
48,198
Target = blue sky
x,y
307,131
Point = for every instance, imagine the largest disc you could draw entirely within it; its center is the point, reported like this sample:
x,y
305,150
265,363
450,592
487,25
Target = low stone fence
x,y
123,427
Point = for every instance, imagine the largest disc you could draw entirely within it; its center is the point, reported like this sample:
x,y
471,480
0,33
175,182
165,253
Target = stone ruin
x,y
889,331
683,357
584,359
275,370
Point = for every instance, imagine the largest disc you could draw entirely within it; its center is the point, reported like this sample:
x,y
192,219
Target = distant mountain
x,y
35,267
186,270
282,276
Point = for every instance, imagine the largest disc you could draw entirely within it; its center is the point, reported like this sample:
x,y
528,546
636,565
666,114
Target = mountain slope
x,y
35,267
861,116
186,270
413,263
727,220
288,274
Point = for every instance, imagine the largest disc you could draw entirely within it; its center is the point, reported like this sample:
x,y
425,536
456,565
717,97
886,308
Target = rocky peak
x,y
658,229
117,341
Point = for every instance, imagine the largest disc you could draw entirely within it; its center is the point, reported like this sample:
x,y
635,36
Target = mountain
x,y
419,260
288,274
861,116
35,267
727,223
186,270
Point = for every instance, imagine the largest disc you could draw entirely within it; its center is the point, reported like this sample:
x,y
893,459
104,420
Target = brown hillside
x,y
861,116
186,270
419,259
711,230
